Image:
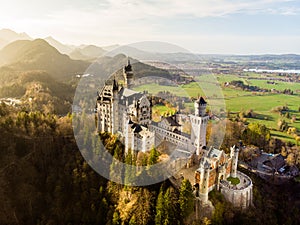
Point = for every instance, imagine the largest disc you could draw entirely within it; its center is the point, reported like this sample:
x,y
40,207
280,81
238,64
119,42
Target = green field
x,y
155,88
238,100
280,85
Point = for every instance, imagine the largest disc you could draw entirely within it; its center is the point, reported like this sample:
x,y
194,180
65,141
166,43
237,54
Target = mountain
x,y
7,36
64,49
110,47
88,52
106,48
93,51
106,66
2,42
158,47
77,55
162,52
27,55
132,52
39,89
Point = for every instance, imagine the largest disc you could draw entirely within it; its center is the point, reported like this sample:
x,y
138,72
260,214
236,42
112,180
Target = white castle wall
x,y
177,139
241,195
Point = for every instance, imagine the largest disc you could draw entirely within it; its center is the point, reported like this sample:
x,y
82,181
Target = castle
x,y
128,113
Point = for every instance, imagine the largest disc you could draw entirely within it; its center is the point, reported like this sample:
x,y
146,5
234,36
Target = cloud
x,y
127,21
187,8
126,15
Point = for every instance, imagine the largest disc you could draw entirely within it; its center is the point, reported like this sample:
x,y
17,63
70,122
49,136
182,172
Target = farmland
x,y
237,100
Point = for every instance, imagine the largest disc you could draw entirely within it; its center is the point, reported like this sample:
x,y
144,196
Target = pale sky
x,y
201,26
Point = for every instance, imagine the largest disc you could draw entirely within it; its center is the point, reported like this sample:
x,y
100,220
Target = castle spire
x,y
115,84
128,75
200,107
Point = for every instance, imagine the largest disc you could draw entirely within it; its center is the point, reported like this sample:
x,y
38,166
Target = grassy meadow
x,y
238,100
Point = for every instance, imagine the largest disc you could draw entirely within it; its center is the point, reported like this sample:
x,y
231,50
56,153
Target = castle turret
x,y
199,123
128,75
234,153
200,107
115,107
204,182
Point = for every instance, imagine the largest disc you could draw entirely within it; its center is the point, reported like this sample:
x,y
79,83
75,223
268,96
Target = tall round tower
x,y
204,182
199,124
115,107
128,75
234,153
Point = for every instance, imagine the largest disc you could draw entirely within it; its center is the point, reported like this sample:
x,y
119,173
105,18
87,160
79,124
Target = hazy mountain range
x,y
142,51
7,36
36,70
25,55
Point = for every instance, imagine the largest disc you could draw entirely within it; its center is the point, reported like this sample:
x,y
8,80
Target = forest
x,y
45,180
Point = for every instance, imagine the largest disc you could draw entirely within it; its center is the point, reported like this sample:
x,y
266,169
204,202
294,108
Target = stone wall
x,y
179,140
239,195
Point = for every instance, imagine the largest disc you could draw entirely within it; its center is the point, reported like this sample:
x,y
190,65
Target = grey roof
x,y
136,128
128,67
129,95
214,153
277,161
130,122
127,92
171,121
201,101
206,164
115,85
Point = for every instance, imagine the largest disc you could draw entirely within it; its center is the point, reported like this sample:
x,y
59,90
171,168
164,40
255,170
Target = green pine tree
x,y
186,198
153,156
116,218
159,207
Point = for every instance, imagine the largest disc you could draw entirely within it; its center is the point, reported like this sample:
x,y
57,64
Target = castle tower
x,y
128,136
128,75
234,153
199,124
115,107
204,182
200,107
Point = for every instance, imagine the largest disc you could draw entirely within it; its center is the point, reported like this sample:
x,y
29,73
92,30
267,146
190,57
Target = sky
x,y
200,26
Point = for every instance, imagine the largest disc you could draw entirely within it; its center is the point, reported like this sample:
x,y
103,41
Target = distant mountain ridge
x,y
7,36
62,48
82,52
88,52
27,55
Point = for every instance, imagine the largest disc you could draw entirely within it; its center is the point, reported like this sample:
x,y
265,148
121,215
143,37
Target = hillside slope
x,y
89,52
27,55
62,48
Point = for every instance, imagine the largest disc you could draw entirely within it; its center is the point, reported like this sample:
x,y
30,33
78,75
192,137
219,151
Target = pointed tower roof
x,y
115,85
206,165
201,101
128,67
